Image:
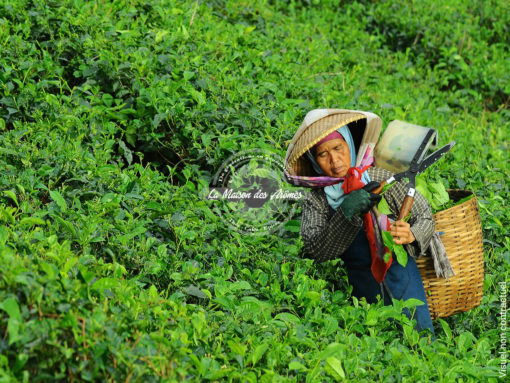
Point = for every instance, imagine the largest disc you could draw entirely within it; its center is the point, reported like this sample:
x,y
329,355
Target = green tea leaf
x,y
67,225
386,187
153,292
371,319
59,200
240,285
297,366
388,240
187,74
137,231
465,341
128,155
423,188
439,192
258,353
413,302
288,318
330,325
198,96
446,328
31,221
105,283
237,348
195,291
333,367
10,306
107,99
401,254
332,349
68,265
4,234
12,196
49,269
383,206
293,226
86,275
314,296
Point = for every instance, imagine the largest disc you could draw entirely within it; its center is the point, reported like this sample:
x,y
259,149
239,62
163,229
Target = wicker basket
x,y
462,239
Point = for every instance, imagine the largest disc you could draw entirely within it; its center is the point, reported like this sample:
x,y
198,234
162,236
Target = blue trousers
x,y
400,282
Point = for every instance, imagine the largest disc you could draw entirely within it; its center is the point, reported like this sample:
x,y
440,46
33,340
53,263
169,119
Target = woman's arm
x,y
421,221
324,238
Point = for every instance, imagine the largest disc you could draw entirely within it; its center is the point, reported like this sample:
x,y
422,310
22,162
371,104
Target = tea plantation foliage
x,y
115,114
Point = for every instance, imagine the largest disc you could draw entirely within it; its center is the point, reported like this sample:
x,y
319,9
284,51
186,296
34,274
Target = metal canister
x,y
399,143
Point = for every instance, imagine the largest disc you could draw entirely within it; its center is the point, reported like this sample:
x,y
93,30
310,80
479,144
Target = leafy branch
x,y
394,248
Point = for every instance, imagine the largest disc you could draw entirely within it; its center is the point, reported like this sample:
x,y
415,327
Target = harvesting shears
x,y
415,168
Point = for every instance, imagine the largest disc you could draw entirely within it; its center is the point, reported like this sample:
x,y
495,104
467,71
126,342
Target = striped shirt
x,y
327,233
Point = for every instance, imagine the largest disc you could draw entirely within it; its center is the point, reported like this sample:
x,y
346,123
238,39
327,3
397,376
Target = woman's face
x,y
333,157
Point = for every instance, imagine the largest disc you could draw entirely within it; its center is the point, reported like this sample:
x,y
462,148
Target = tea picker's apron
x,y
400,282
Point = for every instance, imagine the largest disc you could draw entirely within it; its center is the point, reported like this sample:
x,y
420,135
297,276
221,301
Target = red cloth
x,y
379,267
353,179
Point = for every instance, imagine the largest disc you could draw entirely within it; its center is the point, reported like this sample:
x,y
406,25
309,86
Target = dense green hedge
x,y
114,115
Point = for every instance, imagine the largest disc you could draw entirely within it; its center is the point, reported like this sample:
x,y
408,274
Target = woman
x,y
335,224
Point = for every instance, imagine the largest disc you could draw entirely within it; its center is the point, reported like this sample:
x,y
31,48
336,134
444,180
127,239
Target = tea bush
x,y
114,117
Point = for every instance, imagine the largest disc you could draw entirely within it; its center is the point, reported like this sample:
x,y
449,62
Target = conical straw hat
x,y
317,124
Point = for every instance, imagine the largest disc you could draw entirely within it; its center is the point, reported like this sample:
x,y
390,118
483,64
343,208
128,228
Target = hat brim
x,y
297,163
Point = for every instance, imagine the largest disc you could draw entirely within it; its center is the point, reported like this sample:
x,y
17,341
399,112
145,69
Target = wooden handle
x,y
406,207
379,189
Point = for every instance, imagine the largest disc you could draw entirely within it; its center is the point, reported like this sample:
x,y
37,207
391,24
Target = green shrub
x,y
114,117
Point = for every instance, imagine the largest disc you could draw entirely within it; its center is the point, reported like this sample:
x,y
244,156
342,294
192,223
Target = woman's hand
x,y
401,232
359,202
